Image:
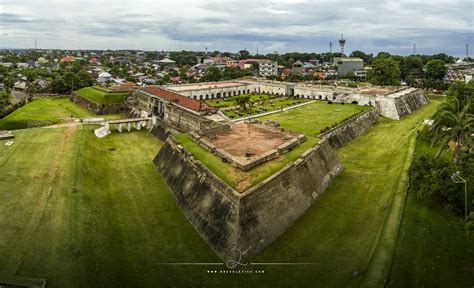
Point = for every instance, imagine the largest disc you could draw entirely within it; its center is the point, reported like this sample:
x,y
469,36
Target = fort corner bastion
x,y
254,218
251,219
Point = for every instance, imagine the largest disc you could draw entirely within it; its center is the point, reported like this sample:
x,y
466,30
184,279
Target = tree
x,y
244,54
213,74
411,65
85,79
366,57
435,70
242,100
4,100
431,179
453,122
385,71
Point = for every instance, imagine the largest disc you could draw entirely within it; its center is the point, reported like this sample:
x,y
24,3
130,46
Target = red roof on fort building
x,y
176,98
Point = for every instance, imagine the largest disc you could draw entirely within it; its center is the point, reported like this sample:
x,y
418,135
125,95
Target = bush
x,y
431,179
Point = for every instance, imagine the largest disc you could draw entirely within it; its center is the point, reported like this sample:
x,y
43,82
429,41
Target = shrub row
x,y
8,110
327,128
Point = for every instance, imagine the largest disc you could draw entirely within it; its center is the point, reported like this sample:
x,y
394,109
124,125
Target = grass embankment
x,y
433,248
47,110
238,179
101,96
310,119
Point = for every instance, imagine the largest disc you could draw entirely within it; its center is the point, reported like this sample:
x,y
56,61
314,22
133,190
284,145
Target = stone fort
x,y
253,217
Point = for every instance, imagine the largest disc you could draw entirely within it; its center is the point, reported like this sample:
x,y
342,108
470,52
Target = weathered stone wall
x,y
184,119
210,205
255,218
270,208
162,130
353,128
399,107
96,108
411,102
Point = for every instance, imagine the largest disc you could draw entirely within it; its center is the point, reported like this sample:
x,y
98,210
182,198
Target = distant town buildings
x,y
349,66
268,68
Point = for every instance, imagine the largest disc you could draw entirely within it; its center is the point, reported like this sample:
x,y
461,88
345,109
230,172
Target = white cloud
x,y
292,25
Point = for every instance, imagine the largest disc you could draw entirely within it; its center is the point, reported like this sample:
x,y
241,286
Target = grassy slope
x,y
311,118
108,219
99,96
433,249
52,109
232,175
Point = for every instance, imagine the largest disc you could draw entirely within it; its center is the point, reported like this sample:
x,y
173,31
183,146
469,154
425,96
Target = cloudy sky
x,y
232,25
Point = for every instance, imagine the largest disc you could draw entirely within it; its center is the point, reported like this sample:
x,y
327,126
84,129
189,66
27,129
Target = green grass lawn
x,y
235,177
310,119
276,104
52,110
261,103
85,212
433,248
101,96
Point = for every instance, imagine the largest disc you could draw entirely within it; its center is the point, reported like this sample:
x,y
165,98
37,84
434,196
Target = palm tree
x,y
453,122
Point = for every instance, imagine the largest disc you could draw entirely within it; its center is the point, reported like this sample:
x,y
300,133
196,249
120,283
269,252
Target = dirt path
x,y
68,124
23,242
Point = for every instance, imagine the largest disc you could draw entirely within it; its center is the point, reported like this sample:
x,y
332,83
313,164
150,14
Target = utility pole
x,y
456,177
467,50
414,48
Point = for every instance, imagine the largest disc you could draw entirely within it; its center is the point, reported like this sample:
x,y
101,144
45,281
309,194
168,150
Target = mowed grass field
x,y
310,119
85,212
51,109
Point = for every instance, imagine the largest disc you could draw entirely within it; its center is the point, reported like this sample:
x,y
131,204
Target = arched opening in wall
x,y
194,97
314,97
238,92
355,102
235,93
219,95
333,97
248,91
291,92
298,95
320,97
212,96
200,97
207,96
326,98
